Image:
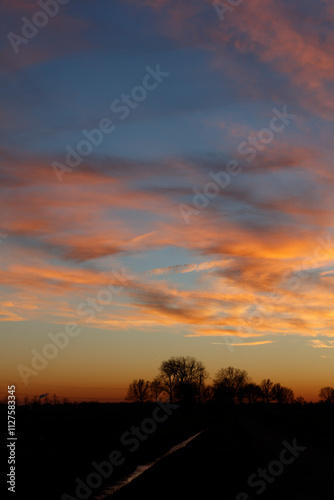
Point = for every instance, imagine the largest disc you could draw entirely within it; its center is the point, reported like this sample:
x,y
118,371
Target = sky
x,y
166,187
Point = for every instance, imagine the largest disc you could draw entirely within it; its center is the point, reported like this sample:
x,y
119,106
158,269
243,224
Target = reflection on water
x,y
140,469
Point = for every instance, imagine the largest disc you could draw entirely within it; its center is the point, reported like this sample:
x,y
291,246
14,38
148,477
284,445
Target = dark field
x,y
57,444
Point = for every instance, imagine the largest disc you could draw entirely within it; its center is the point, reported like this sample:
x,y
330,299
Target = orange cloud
x,y
254,280
243,344
319,344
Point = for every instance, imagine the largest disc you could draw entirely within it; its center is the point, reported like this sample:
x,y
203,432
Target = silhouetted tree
x,y
282,394
156,387
230,384
186,392
327,394
207,393
182,377
139,390
252,393
267,390
288,395
55,400
300,400
35,401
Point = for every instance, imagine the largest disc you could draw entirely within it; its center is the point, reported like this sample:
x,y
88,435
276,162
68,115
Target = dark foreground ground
x,y
58,444
219,463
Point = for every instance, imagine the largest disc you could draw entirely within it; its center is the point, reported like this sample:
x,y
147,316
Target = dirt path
x,y
218,464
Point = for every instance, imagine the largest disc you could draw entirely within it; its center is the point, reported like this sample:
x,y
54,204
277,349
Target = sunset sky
x,y
198,219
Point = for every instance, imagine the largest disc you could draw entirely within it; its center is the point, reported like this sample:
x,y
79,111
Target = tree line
x,y
183,379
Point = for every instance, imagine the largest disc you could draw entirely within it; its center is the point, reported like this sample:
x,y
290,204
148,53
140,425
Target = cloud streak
x,y
245,344
62,241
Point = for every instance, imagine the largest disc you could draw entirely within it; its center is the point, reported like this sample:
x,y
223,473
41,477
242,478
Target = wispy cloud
x,y
189,268
298,51
61,240
321,344
244,344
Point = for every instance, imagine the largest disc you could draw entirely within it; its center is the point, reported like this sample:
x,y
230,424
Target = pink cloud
x,y
268,30
52,226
